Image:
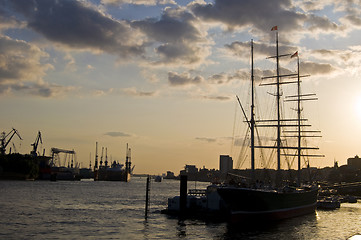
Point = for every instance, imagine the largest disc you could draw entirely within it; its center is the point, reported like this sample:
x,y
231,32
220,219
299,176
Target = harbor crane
x,y
35,144
56,158
6,138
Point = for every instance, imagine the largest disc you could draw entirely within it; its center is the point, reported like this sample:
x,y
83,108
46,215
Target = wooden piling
x,y
183,194
147,196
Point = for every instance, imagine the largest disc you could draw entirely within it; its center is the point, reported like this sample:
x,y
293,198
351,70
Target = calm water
x,y
115,210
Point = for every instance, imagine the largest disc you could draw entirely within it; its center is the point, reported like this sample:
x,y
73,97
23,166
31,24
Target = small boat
x,y
328,203
349,199
199,202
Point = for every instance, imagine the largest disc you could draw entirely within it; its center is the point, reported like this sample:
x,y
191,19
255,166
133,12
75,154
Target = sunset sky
x,y
162,75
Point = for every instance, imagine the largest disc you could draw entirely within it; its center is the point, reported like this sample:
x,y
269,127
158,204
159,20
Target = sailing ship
x,y
114,172
253,201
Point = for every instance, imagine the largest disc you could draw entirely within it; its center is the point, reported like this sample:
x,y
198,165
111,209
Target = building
x,y
225,164
170,175
192,169
354,162
189,170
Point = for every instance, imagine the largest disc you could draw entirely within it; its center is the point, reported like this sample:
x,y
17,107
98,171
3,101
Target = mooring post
x,y
147,196
183,194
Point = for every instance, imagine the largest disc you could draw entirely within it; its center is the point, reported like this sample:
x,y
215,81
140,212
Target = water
x,y
115,210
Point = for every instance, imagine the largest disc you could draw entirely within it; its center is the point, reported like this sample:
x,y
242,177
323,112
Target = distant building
x,y
170,175
354,162
225,163
189,170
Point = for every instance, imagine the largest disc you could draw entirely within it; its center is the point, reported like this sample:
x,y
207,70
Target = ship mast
x,y
251,122
96,156
280,122
299,122
106,157
300,132
128,163
278,113
252,117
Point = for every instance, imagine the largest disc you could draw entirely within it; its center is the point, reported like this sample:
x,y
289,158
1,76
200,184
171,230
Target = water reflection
x,y
146,229
295,228
181,228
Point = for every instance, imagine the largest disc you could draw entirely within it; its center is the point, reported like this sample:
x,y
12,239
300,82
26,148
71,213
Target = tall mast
x,y
106,157
90,161
300,132
252,117
127,160
101,157
299,122
299,111
126,157
278,114
279,122
96,156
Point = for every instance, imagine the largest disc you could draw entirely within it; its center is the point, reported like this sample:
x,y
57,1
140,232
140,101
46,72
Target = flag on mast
x,y
295,54
274,28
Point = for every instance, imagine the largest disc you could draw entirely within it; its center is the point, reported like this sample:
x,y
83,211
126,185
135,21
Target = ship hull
x,y
112,175
247,205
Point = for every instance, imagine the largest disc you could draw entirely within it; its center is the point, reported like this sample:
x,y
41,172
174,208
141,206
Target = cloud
x,y
90,67
203,139
36,89
321,24
8,21
218,98
225,78
313,5
262,15
176,79
20,61
71,64
219,78
354,20
22,70
125,91
352,9
78,25
138,2
136,93
117,134
260,50
337,56
314,68
177,37
349,11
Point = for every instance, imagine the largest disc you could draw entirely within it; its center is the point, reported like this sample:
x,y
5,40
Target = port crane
x,y
56,158
6,138
35,144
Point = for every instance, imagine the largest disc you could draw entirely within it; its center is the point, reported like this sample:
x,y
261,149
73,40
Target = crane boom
x,y
36,143
5,142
